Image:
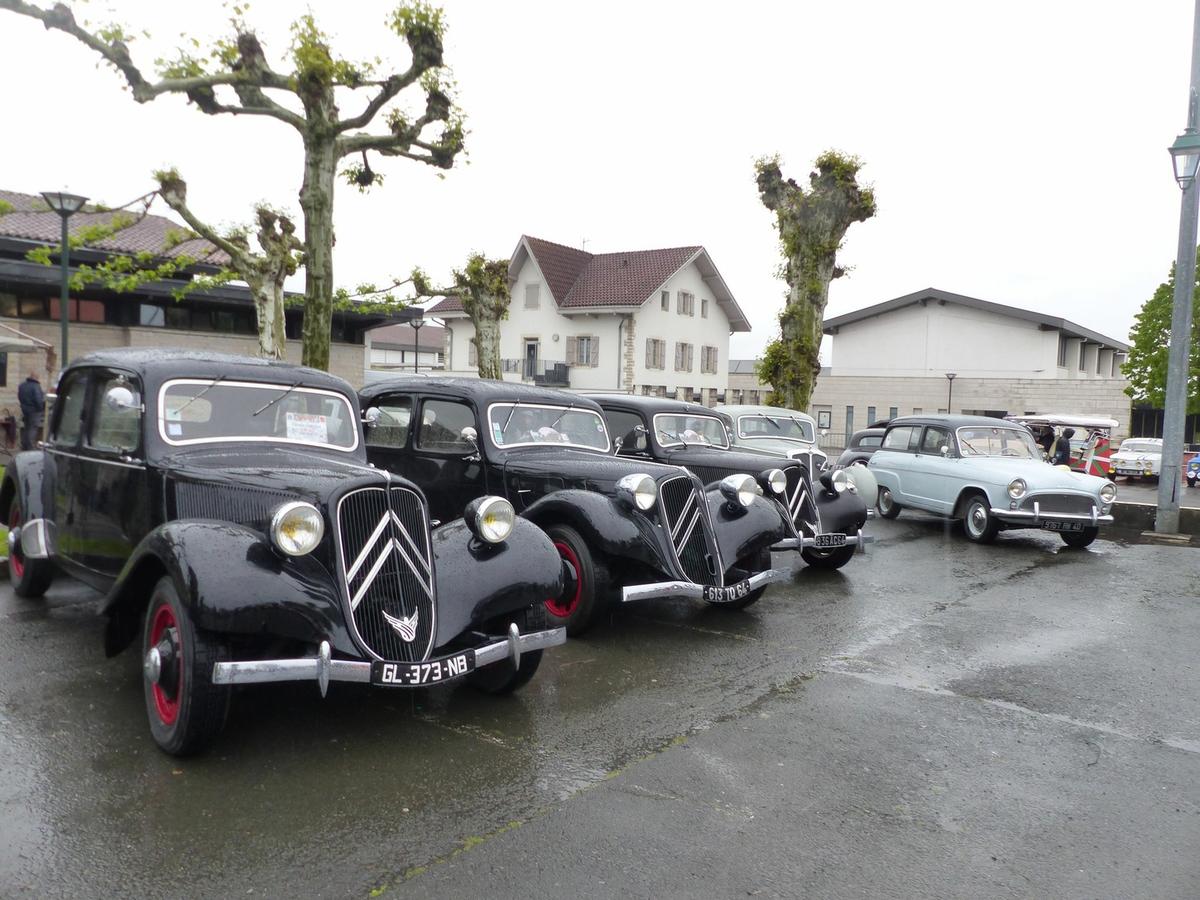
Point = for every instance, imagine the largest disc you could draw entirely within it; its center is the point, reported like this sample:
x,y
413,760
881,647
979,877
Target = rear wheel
x,y
501,677
827,559
1079,539
29,577
186,710
751,565
584,584
979,524
886,504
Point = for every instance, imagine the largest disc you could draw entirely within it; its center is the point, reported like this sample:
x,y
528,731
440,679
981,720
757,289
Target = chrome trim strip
x,y
1021,515
852,540
583,409
97,459
367,548
691,590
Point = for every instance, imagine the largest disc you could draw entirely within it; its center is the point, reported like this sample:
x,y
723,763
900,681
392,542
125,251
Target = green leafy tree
x,y
811,223
482,288
1146,365
235,77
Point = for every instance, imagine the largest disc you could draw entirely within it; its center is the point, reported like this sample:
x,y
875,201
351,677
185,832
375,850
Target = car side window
x,y
898,438
935,439
442,422
69,412
391,429
116,419
624,425
871,441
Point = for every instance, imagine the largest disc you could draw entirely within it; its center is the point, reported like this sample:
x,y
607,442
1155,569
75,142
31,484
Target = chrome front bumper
x,y
1017,516
323,669
691,590
859,540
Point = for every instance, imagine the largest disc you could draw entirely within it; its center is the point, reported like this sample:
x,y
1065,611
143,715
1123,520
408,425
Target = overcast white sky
x,y
1018,150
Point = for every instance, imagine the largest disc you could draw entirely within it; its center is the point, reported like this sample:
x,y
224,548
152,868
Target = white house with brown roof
x,y
647,321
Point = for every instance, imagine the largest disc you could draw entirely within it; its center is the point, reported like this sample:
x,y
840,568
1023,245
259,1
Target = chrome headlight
x,y
837,481
1017,488
1108,493
638,491
740,489
490,519
774,481
297,528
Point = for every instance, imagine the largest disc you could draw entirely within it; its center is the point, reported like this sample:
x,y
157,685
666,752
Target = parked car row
x,y
251,521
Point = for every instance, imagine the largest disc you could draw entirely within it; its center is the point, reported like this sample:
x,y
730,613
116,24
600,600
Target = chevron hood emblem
x,y
404,626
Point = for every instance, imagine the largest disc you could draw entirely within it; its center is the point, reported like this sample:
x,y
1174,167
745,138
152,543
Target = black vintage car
x,y
824,524
225,507
649,530
862,446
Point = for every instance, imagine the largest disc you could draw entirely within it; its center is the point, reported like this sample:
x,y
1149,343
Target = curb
x,y
1140,517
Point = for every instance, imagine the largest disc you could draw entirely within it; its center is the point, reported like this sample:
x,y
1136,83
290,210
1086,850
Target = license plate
x,y
1060,526
431,671
728,593
829,540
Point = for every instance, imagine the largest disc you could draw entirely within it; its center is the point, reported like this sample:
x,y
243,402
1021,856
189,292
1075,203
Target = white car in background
x,y
1137,458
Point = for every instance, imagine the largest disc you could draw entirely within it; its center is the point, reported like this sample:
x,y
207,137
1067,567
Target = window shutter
x,y
689,357
679,302
678,355
594,351
572,351
531,296
649,353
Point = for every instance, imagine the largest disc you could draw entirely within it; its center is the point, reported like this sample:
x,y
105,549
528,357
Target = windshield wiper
x,y
511,410
275,400
772,421
570,407
674,435
214,383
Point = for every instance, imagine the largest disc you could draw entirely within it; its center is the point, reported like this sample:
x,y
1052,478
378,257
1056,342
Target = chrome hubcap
x,y
978,519
14,535
152,667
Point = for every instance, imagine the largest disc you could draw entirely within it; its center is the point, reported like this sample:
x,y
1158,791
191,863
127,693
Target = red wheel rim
x,y
564,606
163,627
16,562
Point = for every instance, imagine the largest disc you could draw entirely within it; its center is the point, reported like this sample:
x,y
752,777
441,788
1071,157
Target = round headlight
x,y
741,489
297,528
1108,493
638,491
490,519
841,481
774,481
1017,488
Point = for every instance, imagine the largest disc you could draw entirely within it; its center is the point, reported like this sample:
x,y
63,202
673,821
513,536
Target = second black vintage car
x,y
825,524
225,507
645,529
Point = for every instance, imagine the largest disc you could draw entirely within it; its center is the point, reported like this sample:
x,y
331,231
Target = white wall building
x,y
402,348
648,321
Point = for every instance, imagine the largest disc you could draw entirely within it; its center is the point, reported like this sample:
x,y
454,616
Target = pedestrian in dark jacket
x,y
1062,448
33,409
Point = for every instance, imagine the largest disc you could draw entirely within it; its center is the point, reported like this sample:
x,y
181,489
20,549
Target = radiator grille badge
x,y
406,627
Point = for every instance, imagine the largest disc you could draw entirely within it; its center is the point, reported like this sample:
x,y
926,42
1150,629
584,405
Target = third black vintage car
x,y
225,507
646,529
825,524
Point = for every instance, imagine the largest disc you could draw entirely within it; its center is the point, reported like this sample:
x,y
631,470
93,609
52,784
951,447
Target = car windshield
x,y
1141,447
675,429
985,441
208,410
775,425
529,425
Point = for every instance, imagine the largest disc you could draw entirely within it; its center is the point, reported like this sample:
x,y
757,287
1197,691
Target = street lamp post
x,y
65,205
950,376
416,322
1185,157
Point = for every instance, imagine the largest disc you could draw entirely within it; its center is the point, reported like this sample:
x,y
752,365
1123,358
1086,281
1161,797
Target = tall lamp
x,y
416,322
66,205
950,376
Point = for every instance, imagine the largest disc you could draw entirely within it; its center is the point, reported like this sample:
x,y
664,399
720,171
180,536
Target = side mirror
x,y
617,444
945,448
371,417
824,432
120,397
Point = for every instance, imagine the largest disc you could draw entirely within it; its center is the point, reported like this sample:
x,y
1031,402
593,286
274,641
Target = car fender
x,y
231,581
969,488
608,528
743,531
23,478
477,581
843,513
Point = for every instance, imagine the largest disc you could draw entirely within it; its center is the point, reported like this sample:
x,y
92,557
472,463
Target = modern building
x,y
220,319
933,351
646,321
392,348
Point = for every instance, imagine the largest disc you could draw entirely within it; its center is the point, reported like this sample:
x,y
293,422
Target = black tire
x,y
500,678
186,710
30,578
828,559
979,525
584,594
1080,539
752,565
886,505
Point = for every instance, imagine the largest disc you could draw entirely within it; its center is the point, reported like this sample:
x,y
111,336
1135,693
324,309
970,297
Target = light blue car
x,y
989,473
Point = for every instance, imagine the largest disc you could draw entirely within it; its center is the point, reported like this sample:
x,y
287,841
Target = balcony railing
x,y
550,372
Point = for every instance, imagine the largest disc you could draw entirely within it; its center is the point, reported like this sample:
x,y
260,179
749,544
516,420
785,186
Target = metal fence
x,y
550,372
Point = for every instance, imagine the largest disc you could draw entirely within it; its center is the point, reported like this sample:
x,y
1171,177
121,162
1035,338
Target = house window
x,y
531,296
472,353
151,315
870,416
849,421
917,410
1062,352
582,350
666,301
893,411
1116,364
1082,347
683,357
656,353
708,361
704,307
685,304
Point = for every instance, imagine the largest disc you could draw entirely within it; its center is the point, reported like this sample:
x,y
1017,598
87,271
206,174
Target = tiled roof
x,y
625,279
448,304
561,265
30,220
429,336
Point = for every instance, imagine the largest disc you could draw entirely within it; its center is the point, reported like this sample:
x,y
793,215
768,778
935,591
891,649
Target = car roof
x,y
748,410
651,404
953,421
482,391
162,364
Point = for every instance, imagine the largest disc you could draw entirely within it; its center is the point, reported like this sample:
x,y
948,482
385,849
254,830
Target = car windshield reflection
x,y
205,411
1009,442
762,425
690,429
527,425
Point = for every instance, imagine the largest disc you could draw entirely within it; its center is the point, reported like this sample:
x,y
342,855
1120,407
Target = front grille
x,y
801,504
709,474
383,538
1075,504
227,503
683,514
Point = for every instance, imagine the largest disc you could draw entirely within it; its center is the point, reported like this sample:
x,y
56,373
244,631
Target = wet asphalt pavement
x,y
937,720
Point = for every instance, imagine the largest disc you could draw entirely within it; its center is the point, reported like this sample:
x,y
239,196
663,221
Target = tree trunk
x,y
268,307
316,200
801,332
487,343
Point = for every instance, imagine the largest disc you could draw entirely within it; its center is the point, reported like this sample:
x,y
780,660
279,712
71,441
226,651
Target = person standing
x,y
1062,448
33,409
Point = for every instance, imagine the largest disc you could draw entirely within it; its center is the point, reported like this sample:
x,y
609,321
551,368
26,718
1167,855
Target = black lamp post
x,y
65,205
416,322
950,376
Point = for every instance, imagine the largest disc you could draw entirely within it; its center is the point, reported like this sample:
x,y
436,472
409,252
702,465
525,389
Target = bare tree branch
x,y
174,192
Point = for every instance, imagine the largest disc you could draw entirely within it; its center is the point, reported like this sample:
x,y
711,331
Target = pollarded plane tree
x,y
483,289
811,223
304,91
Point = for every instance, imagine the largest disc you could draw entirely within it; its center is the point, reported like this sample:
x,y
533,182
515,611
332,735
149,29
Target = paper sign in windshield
x,y
307,427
